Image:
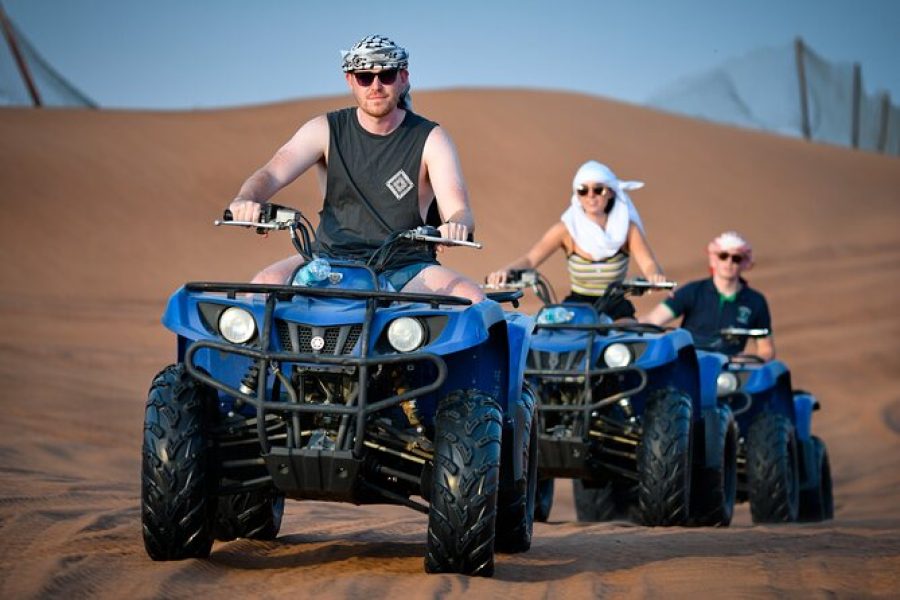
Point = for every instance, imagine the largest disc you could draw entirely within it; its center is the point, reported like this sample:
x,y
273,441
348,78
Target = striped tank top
x,y
591,278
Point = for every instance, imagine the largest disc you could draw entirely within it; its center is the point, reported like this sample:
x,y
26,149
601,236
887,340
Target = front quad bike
x,y
624,411
783,469
344,390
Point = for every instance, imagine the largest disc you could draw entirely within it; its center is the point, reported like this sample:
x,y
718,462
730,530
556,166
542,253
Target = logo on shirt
x,y
400,184
743,315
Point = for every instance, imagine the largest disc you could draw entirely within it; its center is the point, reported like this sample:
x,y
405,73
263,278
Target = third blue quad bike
x,y
783,470
629,412
339,388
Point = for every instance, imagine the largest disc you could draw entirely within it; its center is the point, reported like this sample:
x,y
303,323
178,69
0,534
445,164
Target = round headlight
x,y
726,383
237,325
406,334
617,355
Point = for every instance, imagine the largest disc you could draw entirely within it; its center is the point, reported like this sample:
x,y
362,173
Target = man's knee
x,y
469,290
440,280
272,276
278,273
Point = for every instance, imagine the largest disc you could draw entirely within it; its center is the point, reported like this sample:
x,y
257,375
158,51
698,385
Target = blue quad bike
x,y
629,411
340,389
783,470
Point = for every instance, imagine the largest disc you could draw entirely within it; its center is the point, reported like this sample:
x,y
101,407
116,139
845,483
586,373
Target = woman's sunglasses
x,y
735,258
366,78
599,190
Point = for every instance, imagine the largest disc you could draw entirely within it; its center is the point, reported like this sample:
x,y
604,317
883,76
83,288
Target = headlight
x,y
555,314
617,355
406,334
237,325
726,383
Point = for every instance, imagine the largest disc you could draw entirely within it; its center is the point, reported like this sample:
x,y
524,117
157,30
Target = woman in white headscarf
x,y
599,232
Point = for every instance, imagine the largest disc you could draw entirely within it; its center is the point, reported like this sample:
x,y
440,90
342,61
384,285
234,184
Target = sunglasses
x,y
599,190
735,258
367,78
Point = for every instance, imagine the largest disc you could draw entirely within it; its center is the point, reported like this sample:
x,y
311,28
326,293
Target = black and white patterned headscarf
x,y
372,52
378,51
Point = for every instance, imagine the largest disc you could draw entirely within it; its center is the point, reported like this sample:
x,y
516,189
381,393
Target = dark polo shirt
x,y
706,312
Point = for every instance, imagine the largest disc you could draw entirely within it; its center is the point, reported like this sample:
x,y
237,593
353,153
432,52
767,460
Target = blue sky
x,y
197,54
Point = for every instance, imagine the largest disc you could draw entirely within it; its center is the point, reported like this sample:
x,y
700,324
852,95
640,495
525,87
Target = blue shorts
x,y
401,276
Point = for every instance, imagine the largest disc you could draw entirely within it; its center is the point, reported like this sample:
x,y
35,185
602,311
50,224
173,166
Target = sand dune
x,y
106,213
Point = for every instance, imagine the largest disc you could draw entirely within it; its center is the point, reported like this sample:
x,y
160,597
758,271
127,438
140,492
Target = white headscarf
x,y
601,243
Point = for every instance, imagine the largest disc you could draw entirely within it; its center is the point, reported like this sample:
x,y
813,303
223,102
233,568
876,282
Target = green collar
x,y
723,298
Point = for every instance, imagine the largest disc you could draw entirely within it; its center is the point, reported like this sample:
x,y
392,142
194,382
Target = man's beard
x,y
379,110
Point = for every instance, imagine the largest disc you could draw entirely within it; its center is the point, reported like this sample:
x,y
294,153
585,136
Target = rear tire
x,y
461,520
516,499
817,503
543,500
177,507
594,505
664,460
714,489
772,470
252,515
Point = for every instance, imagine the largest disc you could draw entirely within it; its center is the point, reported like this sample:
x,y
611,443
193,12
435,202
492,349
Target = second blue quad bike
x,y
629,411
783,469
339,388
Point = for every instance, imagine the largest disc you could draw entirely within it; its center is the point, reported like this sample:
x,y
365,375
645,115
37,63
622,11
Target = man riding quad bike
x,y
782,469
629,411
338,388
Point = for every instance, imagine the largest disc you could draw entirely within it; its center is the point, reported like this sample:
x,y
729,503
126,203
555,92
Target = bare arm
x,y
764,347
445,174
660,315
532,259
307,147
643,255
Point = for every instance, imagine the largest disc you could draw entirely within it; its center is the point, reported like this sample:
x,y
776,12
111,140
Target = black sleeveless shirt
x,y
372,189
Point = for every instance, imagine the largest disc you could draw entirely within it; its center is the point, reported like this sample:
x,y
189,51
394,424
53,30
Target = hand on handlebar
x,y
245,210
657,278
453,231
497,278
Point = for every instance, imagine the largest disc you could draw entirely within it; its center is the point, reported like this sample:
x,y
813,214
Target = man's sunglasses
x,y
366,78
599,190
735,258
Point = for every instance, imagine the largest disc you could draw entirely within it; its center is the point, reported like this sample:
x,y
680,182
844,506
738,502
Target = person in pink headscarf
x,y
724,300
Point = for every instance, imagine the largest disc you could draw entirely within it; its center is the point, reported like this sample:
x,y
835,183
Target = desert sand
x,y
106,213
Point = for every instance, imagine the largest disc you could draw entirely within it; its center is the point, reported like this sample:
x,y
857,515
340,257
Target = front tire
x,y
714,488
817,502
177,507
664,460
773,479
468,434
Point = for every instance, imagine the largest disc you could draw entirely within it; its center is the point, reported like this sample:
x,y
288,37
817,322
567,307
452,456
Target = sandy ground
x,y
106,213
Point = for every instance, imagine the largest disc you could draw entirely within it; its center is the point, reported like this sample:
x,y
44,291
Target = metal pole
x,y
20,61
885,120
801,77
857,93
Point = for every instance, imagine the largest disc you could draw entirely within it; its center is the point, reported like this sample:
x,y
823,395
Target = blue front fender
x,y
519,329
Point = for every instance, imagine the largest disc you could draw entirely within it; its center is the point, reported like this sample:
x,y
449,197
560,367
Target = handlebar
x,y
517,279
275,217
272,216
431,235
743,332
643,285
520,279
